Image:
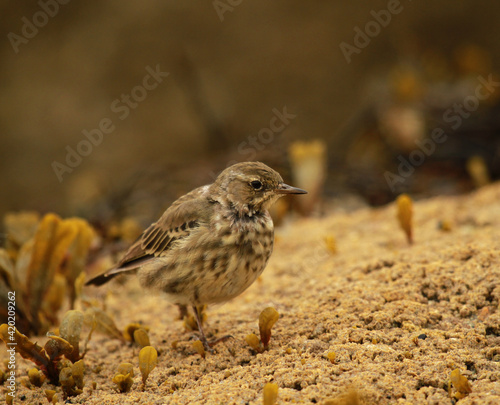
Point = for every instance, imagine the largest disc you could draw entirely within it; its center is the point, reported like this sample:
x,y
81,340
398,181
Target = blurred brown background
x,y
225,79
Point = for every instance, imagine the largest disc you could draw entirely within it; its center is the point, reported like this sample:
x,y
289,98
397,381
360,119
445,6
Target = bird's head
x,y
251,187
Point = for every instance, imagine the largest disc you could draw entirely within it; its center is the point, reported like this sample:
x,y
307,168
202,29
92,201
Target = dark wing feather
x,y
176,223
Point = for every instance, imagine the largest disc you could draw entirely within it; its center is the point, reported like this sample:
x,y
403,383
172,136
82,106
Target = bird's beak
x,y
286,189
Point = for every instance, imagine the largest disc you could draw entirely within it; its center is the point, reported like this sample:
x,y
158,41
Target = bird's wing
x,y
177,222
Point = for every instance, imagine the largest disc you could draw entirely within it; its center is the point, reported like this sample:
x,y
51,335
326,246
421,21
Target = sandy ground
x,y
368,303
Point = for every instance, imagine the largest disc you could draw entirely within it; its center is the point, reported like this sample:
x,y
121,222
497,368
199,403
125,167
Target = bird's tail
x,y
110,274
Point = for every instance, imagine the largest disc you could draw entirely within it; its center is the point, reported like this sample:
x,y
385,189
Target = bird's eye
x,y
256,184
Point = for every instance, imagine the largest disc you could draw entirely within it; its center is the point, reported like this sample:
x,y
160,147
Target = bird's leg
x,y
206,344
204,340
183,311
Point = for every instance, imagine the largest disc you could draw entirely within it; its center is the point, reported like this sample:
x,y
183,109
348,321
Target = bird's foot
x,y
208,345
213,342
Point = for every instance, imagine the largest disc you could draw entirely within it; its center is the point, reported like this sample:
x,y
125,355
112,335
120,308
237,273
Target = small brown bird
x,y
212,243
